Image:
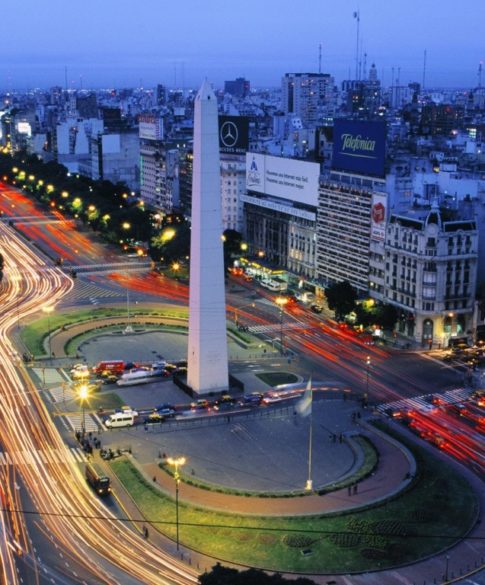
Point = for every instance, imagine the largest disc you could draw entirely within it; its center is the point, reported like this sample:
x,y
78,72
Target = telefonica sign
x,y
359,146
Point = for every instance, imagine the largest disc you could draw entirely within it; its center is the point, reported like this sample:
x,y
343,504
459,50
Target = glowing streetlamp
x,y
126,225
368,364
237,309
281,302
177,462
48,310
83,396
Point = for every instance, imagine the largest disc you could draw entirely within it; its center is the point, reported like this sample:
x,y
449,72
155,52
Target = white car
x,y
80,371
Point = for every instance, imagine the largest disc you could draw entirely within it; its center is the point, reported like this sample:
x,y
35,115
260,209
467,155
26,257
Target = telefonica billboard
x,y
287,178
359,146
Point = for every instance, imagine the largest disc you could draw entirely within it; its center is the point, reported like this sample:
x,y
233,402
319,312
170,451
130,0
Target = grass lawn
x,y
435,512
277,378
34,333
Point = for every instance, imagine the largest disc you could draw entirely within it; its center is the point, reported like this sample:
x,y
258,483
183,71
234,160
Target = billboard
x,y
359,146
291,179
233,134
378,217
150,127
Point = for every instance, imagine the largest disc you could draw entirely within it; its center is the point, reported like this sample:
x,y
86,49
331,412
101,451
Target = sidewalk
x,y
390,477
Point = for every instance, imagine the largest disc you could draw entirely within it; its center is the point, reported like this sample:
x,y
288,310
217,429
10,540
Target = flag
x,y
356,15
304,405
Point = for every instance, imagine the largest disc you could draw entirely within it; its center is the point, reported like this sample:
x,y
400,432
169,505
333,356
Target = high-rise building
x,y
239,87
344,228
307,95
161,95
207,346
158,165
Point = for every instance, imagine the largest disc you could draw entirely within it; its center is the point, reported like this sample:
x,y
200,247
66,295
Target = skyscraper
x,y
207,347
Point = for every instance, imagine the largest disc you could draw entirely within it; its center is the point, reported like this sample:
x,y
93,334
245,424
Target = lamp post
x,y
281,302
177,462
236,312
368,364
48,310
447,566
83,395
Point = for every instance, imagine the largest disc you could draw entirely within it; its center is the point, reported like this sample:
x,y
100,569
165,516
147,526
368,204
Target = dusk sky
x,y
109,43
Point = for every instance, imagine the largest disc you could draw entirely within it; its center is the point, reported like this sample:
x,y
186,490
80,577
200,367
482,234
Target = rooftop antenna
x,y
365,66
480,74
357,17
320,58
65,78
424,68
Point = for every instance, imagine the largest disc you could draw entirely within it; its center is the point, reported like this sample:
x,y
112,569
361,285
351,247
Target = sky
x,y
116,43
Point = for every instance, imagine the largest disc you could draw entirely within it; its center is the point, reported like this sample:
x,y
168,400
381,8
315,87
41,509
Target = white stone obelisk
x,y
207,348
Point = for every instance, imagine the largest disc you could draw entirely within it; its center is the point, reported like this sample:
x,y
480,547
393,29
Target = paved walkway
x,y
464,558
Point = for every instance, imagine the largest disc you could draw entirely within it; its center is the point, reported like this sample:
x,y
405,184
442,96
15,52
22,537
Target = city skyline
x,y
100,46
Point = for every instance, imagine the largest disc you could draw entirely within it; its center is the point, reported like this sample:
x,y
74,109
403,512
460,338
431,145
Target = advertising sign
x,y
359,146
287,178
233,134
378,217
150,127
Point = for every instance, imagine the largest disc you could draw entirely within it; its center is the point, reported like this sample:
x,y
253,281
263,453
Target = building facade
x,y
306,95
344,228
431,274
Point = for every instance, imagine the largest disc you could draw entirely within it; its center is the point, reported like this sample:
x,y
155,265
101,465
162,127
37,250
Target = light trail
x,y
55,485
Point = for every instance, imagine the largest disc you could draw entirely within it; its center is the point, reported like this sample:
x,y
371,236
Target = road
x,y
89,541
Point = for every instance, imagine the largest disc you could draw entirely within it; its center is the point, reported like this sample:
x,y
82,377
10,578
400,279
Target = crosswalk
x,y
66,455
62,393
92,422
87,290
423,403
274,328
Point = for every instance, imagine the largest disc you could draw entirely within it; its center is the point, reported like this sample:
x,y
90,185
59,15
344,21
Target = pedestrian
x,y
358,414
145,532
340,438
355,489
349,490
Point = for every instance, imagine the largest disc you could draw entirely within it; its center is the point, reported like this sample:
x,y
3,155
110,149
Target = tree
x,y
172,243
341,297
386,316
232,246
226,576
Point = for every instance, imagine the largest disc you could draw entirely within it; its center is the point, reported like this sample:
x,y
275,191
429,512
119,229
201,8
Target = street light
x,y
447,566
48,310
368,364
83,396
236,312
178,462
281,302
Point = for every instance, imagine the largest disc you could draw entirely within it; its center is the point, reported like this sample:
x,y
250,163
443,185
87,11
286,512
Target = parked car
x,y
316,308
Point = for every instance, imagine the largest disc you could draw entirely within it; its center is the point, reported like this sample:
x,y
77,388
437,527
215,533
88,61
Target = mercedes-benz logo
x,y
229,134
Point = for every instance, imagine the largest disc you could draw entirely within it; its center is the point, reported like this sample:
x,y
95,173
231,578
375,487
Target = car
x,y
80,371
166,410
224,402
200,404
154,417
316,308
252,399
248,278
171,368
111,379
90,386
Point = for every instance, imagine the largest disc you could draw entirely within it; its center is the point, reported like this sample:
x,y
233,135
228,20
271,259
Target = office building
x,y
307,95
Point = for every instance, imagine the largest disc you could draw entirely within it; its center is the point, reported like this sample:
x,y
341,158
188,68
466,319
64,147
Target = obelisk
x,y
207,347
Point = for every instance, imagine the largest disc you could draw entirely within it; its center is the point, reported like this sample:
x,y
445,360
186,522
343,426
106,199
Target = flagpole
x,y
309,482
